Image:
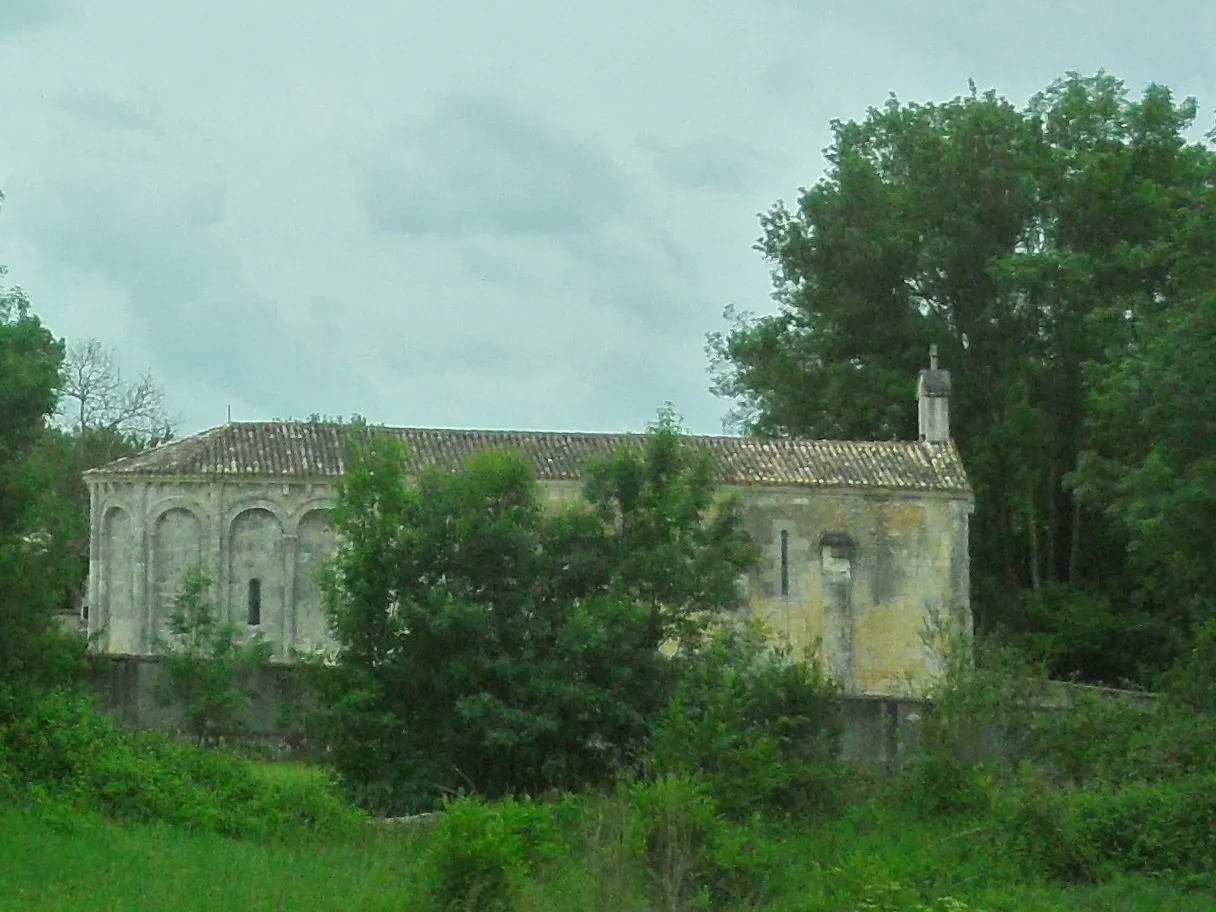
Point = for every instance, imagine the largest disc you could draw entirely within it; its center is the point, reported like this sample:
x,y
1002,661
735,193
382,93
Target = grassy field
x,y
93,817
868,860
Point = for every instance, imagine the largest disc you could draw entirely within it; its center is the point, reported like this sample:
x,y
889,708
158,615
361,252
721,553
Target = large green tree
x,y
30,359
1028,244
1154,469
487,643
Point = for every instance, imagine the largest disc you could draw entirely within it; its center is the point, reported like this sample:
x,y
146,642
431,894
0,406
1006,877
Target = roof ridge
x,y
310,449
522,432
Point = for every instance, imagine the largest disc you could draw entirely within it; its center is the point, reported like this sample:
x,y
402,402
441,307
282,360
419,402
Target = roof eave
x,y
951,493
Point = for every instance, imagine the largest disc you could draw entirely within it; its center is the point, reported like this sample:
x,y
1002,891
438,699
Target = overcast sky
x,y
468,214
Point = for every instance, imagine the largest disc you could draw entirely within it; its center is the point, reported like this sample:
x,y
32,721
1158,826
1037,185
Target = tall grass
x,y
868,860
1108,805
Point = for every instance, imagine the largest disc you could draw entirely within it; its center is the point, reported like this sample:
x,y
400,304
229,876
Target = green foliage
x,y
30,360
665,845
873,858
1152,467
1060,255
209,666
1166,829
1109,742
693,856
63,752
678,822
673,546
983,706
60,460
1079,633
1191,681
1075,784
486,645
761,728
481,854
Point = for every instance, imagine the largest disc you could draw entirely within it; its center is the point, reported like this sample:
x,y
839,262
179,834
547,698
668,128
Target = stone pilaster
x,y
97,610
141,591
290,622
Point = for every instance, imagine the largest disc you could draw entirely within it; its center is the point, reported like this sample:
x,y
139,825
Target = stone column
x,y
141,592
96,608
290,624
214,554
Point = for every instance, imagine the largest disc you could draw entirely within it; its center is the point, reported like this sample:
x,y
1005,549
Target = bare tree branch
x,y
96,396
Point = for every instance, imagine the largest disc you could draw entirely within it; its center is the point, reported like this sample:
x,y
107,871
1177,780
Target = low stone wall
x,y
126,687
876,730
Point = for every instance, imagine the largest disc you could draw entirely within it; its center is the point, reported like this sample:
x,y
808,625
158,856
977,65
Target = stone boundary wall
x,y
876,729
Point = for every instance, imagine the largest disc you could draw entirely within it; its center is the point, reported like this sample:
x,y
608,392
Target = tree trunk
x,y
1036,579
1053,517
1074,548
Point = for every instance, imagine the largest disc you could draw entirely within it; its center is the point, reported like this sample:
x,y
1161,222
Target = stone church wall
x,y
873,583
865,576
257,541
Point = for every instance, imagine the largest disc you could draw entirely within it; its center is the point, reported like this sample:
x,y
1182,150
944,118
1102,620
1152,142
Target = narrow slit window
x,y
255,602
785,562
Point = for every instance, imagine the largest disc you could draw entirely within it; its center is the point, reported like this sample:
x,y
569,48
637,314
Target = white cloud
x,y
465,213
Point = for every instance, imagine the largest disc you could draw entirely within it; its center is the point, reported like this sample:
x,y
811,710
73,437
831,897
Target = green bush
x,y
938,784
678,821
210,666
1106,741
1165,829
762,730
64,750
694,856
1036,829
983,706
481,853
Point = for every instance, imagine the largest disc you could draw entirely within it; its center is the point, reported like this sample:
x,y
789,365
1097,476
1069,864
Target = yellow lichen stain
x,y
887,647
906,517
798,624
889,654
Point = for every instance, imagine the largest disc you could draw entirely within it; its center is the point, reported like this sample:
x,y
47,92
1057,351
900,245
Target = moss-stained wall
x,y
867,575
870,578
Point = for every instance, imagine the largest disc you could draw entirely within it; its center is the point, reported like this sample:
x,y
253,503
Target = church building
x,y
865,542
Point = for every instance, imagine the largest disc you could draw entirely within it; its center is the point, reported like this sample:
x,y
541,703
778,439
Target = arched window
x,y
836,552
255,602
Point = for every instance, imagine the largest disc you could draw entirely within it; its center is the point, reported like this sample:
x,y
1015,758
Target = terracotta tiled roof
x,y
287,449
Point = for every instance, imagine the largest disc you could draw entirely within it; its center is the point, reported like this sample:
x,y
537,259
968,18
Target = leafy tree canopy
x,y
1040,248
486,642
30,360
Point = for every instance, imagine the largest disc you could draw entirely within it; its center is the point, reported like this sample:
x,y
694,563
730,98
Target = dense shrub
x,y
695,857
481,853
984,706
659,844
936,784
1163,828
1106,741
488,645
1166,828
761,729
64,750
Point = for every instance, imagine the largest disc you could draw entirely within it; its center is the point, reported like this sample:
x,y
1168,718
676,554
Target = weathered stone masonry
x,y
866,543
148,532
